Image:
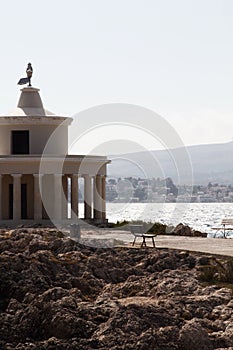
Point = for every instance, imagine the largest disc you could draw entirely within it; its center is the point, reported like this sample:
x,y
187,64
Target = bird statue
x,y
29,72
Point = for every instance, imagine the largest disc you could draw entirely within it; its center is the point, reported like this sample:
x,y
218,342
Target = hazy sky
x,y
172,56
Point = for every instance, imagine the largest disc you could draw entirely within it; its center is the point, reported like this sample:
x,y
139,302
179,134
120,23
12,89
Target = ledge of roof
x,y
30,111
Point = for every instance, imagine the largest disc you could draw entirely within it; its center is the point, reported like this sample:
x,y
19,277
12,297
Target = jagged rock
x,y
182,230
193,336
56,293
185,230
196,233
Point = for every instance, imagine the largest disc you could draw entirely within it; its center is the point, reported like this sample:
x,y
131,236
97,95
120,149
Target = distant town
x,y
164,190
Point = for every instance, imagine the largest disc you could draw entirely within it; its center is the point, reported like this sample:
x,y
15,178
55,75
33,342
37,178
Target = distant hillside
x,y
212,162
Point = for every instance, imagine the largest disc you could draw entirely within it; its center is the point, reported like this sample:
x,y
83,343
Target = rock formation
x,y
185,230
58,294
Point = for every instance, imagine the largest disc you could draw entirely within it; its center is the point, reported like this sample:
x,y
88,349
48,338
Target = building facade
x,y
38,178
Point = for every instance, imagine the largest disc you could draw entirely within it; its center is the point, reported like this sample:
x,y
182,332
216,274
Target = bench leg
x,y
153,241
134,240
143,242
224,233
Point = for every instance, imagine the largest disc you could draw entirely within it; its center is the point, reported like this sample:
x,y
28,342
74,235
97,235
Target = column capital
x,y
38,175
102,176
16,175
86,175
57,175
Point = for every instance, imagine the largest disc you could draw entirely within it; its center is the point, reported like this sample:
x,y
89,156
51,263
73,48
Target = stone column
x,y
74,196
0,197
65,197
97,192
16,196
37,196
57,196
87,197
104,197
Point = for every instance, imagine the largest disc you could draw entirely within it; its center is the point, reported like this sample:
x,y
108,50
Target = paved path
x,y
206,245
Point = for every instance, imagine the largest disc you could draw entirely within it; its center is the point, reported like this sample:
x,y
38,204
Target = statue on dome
x,y
29,72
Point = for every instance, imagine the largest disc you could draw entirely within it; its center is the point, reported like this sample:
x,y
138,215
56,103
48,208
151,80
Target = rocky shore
x,y
58,294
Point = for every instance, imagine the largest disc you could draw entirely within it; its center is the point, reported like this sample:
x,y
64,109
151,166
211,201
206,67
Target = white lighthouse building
x,y
35,187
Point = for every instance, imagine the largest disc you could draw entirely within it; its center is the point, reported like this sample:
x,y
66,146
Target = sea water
x,y
199,216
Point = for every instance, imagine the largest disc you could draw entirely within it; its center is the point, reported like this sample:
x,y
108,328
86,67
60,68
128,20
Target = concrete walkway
x,y
219,246
206,245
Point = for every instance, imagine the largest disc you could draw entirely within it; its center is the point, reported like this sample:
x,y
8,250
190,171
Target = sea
x,y
199,216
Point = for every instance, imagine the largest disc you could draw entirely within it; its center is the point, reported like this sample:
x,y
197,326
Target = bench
x,y
139,231
226,225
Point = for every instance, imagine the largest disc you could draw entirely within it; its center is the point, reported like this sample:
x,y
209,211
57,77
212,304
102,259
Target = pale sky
x,y
174,57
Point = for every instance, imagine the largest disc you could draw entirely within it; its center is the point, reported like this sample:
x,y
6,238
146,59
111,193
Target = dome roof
x,y
30,105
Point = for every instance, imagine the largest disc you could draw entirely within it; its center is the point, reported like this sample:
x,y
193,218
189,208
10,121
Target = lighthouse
x,y
39,180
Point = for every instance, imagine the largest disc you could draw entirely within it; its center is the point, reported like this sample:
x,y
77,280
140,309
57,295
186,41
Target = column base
x,y
25,223
48,223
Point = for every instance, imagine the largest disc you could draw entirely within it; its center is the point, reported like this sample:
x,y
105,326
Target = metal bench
x,y
139,231
226,226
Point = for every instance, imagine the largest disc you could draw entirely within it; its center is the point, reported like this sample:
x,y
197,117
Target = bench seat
x,y
139,231
226,225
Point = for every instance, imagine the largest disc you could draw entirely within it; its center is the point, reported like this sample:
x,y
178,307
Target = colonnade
x,y
52,196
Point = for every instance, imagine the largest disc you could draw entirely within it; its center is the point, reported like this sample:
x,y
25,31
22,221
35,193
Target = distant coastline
x,y
139,190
